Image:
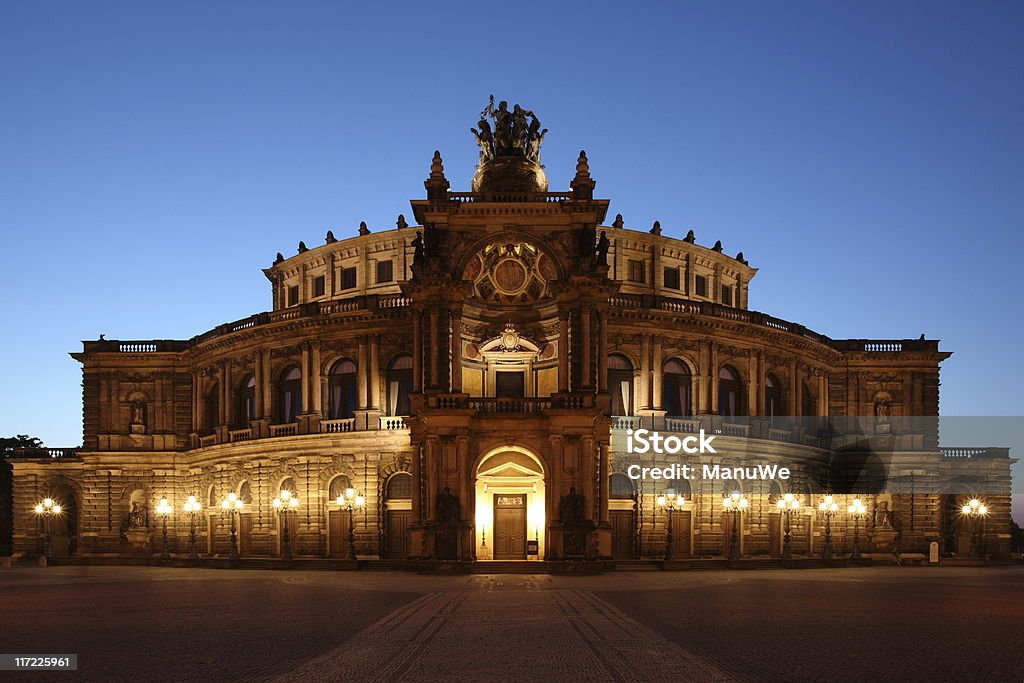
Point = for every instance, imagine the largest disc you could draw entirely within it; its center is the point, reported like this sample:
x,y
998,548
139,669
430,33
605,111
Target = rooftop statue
x,y
515,133
509,141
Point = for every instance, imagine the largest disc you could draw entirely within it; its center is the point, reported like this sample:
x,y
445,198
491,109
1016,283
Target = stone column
x,y
658,376
257,376
754,392
361,375
305,379
417,350
602,351
713,378
794,389
586,381
222,383
643,398
266,387
315,380
605,482
432,350
822,393
373,400
456,350
563,351
197,400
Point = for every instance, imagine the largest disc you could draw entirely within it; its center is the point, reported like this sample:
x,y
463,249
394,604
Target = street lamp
x,y
828,508
857,509
669,505
350,500
974,510
233,505
164,509
47,510
788,505
737,504
193,508
284,504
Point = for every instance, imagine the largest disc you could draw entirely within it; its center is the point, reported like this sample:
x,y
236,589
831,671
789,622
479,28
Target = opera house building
x,y
459,390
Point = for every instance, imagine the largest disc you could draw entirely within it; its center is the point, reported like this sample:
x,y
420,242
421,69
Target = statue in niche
x,y
138,413
448,507
571,510
138,518
882,409
883,516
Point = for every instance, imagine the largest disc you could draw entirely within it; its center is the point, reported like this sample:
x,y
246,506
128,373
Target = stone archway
x,y
510,505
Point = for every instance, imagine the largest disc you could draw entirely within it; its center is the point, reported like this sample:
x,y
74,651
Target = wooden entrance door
x,y
293,538
622,534
681,534
337,528
775,534
398,534
244,535
510,526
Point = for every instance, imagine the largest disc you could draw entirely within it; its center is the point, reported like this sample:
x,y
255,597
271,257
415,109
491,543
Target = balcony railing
x,y
240,434
347,424
392,422
290,429
987,452
509,406
208,440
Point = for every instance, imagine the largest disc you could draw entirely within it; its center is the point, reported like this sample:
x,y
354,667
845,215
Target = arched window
x,y
338,486
621,486
730,392
211,408
245,493
678,487
290,396
810,402
731,486
620,384
287,485
675,388
400,486
773,406
245,402
341,390
399,379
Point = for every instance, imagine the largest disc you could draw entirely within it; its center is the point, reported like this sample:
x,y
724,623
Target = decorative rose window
x,y
509,272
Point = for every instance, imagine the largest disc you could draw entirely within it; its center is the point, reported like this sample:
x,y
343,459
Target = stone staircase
x,y
509,567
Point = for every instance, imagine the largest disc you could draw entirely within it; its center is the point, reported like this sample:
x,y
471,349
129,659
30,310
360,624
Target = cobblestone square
x,y
165,624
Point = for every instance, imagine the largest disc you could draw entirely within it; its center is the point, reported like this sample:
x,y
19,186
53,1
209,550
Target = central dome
x,y
509,174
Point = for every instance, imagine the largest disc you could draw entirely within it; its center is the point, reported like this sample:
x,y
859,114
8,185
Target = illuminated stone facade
x,y
464,375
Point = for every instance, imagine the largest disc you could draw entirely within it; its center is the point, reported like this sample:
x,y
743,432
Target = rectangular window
x,y
701,285
509,385
348,278
671,278
293,295
318,286
727,295
636,271
385,271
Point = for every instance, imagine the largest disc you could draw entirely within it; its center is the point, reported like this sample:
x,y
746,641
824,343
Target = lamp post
x,y
193,508
974,510
47,510
828,508
737,504
669,505
788,505
164,509
857,510
350,500
233,505
284,504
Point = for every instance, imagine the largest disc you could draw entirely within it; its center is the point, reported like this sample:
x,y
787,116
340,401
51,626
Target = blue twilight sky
x,y
865,156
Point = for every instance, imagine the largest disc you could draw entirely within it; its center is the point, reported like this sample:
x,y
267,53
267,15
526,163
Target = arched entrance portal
x,y
509,505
